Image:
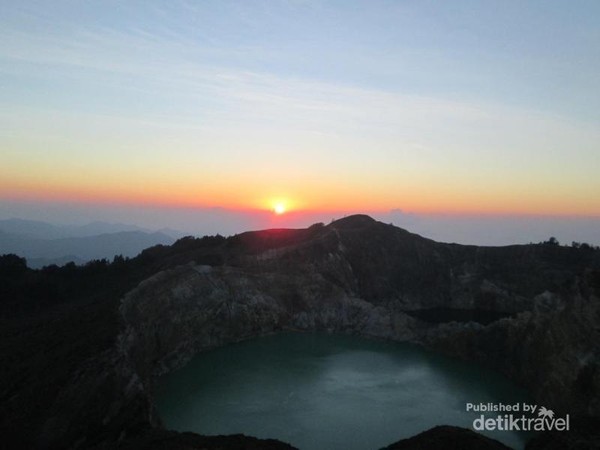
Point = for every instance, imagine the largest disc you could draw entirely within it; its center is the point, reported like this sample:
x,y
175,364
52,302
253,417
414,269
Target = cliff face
x,y
552,349
179,312
354,276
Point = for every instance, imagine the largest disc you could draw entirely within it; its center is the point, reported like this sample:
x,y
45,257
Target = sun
x,y
279,208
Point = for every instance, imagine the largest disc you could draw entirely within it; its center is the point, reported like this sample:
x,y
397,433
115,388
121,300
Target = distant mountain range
x,y
42,243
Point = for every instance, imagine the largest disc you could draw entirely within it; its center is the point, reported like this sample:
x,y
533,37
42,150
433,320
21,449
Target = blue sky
x,y
540,55
459,107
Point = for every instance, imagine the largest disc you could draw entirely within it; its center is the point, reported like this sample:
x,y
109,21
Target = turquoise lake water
x,y
328,392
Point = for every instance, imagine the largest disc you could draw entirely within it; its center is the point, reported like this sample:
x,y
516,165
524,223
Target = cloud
x,y
171,64
160,89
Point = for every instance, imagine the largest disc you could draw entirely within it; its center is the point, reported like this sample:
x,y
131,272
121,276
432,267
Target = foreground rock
x,y
448,438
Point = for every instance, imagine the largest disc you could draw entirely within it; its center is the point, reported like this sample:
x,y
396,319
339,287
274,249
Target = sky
x,y
461,110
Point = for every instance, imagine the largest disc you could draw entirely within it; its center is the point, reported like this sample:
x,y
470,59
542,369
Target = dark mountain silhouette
x,y
44,244
32,229
44,230
448,438
84,345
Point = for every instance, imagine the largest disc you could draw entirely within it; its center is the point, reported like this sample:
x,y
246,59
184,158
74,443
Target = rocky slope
x,y
355,276
552,349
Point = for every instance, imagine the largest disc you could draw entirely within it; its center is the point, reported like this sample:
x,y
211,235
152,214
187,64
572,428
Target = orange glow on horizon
x,y
310,198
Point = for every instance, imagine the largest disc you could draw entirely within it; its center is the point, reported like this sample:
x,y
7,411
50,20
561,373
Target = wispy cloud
x,y
174,65
174,84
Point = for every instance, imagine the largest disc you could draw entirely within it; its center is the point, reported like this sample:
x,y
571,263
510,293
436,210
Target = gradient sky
x,y
430,107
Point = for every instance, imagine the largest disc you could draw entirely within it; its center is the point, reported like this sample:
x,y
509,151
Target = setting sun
x,y
279,208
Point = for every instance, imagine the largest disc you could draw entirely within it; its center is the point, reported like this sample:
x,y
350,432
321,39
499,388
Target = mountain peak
x,y
354,221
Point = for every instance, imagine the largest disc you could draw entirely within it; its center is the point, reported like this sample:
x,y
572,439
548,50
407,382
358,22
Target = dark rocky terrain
x,y
448,438
84,345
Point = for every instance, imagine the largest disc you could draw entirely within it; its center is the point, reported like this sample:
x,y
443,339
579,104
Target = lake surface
x,y
329,392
